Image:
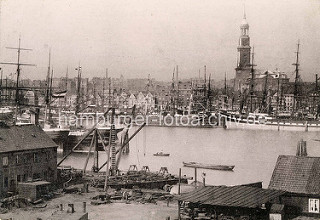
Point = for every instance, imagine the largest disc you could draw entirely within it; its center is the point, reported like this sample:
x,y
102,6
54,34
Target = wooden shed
x,y
33,190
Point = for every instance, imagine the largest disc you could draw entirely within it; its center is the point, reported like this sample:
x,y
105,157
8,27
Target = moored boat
x,y
208,166
161,154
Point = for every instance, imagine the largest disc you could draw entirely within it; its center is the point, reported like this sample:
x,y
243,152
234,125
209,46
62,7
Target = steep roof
x,y
296,174
23,137
231,196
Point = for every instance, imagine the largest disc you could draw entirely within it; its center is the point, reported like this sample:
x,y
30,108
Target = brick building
x,y
26,153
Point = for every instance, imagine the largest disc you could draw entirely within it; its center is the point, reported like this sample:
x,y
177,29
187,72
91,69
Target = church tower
x,y
244,44
244,54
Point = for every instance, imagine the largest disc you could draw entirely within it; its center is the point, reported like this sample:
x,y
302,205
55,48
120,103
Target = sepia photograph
x,y
159,110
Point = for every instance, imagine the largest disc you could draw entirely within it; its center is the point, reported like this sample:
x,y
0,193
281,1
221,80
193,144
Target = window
x,y
18,178
314,205
6,182
17,159
36,158
36,176
5,161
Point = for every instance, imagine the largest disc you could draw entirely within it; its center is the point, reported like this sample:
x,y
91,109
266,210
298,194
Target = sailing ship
x,y
56,132
262,118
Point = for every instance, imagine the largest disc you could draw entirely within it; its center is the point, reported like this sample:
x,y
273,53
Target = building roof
x,y
36,183
231,196
296,174
23,137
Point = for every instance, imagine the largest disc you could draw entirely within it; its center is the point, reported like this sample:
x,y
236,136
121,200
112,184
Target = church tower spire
x,y
244,48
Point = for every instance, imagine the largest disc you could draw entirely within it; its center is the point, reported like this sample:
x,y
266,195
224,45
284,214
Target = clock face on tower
x,y
244,41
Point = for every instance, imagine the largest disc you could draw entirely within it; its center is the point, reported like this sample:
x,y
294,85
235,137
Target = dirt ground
x,y
116,210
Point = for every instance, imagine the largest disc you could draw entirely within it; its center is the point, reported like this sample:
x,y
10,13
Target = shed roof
x,y
296,174
23,137
36,183
231,196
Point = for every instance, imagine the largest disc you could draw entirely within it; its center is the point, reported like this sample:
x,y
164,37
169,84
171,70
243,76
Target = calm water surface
x,y
254,153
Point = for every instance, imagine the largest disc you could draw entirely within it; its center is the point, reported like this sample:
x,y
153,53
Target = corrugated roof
x,y
23,137
296,174
231,196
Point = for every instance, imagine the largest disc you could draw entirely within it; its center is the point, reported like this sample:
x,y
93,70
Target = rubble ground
x,y
133,209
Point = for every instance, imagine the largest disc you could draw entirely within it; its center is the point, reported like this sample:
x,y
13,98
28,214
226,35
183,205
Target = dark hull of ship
x,y
179,121
72,140
58,136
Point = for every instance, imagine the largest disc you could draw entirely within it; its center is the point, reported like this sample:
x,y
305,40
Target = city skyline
x,y
137,38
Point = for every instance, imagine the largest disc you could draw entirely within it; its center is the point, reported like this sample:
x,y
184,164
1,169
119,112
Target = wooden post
x,y
195,176
306,126
87,159
179,182
107,169
179,216
204,179
96,154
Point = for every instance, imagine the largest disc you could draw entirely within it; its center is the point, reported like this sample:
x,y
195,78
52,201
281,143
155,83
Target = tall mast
x,y
67,78
205,86
209,93
178,98
265,92
296,64
173,92
278,95
66,85
50,95
316,89
18,64
252,81
47,88
103,88
317,95
1,89
225,83
78,89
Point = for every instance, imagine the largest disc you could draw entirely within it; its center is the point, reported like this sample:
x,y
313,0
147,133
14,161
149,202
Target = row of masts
x,y
49,85
175,85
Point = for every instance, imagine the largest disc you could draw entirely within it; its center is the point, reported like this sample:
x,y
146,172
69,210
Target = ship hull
x,y
76,137
208,166
280,126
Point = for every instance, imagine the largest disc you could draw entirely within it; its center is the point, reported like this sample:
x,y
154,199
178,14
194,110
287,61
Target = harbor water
x,y
253,152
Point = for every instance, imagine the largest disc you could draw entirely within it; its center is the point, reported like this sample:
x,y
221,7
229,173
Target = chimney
x,y
302,149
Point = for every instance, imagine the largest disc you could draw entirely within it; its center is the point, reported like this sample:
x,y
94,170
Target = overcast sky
x,y
136,38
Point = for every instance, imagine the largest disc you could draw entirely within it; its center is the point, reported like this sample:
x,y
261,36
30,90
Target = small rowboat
x,y
208,166
161,154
